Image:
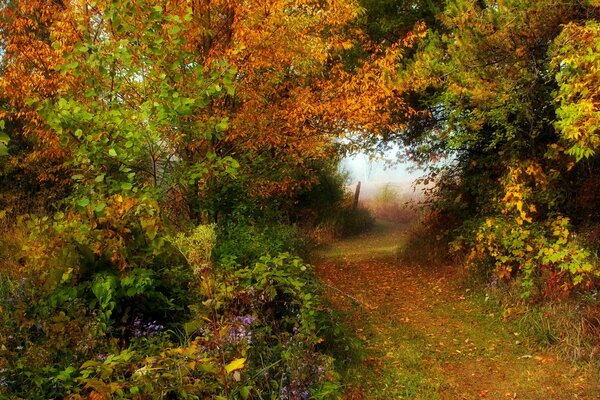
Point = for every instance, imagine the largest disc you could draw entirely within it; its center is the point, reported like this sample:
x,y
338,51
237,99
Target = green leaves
x,y
4,139
67,67
83,202
576,62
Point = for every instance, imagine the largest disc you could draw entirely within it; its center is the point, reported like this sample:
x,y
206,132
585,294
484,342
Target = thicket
x,y
500,105
504,114
149,186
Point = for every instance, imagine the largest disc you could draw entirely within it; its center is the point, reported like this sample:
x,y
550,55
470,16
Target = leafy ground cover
x,y
428,334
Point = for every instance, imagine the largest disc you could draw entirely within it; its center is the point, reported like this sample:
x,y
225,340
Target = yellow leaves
x,y
519,206
518,188
576,61
234,365
344,45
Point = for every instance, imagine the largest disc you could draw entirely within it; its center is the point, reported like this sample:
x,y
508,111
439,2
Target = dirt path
x,y
427,336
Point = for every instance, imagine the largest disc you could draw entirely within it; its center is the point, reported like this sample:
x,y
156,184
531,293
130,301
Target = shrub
x,y
426,243
516,242
246,242
244,331
349,222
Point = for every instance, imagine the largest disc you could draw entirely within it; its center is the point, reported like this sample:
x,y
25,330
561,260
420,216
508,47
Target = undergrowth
x,y
186,327
569,327
565,322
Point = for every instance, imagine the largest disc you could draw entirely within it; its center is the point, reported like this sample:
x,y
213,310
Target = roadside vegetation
x,y
167,168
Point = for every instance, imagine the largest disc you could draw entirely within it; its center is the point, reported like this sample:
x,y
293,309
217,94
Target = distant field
x,y
404,188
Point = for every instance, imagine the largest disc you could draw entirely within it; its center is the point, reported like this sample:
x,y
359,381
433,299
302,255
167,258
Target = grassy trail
x,y
426,335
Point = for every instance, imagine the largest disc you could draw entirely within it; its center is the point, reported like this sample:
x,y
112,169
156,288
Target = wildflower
x,y
150,329
247,320
239,332
290,394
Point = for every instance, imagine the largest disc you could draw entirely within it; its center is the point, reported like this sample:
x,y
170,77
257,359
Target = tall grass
x,y
569,327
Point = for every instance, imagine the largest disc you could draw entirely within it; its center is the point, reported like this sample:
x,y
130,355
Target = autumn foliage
x,y
153,154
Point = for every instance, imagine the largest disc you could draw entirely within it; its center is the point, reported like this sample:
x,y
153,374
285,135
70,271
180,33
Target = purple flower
x,y
246,320
239,332
150,329
102,357
293,394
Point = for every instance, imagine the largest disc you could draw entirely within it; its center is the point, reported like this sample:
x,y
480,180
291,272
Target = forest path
x,y
427,335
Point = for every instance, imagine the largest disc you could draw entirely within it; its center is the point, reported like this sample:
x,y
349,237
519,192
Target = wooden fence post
x,y
356,195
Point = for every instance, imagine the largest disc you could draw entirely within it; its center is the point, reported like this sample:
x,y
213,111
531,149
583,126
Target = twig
x,y
360,303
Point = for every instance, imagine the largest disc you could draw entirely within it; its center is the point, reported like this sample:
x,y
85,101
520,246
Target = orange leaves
x,y
281,50
35,34
419,32
288,98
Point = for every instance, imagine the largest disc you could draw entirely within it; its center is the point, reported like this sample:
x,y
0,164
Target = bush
x,y
242,331
426,245
247,242
350,222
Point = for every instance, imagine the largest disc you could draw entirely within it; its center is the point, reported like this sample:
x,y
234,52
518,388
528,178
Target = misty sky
x,y
374,173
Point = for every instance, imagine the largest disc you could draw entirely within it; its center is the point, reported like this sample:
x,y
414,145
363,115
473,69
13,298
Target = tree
x,y
486,85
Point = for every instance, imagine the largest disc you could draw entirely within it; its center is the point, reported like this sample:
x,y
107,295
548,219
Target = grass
x,y
384,241
391,371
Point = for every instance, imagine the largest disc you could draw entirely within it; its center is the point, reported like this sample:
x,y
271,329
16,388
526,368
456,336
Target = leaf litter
x,y
427,337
